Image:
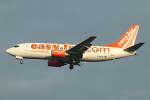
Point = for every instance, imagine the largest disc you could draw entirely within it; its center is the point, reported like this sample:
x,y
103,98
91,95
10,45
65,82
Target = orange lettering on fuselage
x,y
89,50
48,47
41,47
104,50
70,47
97,49
56,46
34,46
65,46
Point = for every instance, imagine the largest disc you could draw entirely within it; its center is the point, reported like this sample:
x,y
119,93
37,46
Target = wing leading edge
x,y
81,47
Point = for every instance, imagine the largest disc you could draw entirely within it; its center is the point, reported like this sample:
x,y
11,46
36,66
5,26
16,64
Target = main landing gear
x,y
71,66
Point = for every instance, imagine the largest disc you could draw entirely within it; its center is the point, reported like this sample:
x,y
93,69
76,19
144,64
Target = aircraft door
x,y
27,47
112,52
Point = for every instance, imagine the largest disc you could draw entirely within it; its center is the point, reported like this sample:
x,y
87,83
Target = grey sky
x,y
72,21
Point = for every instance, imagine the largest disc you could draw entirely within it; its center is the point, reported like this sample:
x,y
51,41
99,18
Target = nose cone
x,y
8,51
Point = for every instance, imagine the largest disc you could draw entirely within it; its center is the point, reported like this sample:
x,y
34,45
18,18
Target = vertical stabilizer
x,y
128,39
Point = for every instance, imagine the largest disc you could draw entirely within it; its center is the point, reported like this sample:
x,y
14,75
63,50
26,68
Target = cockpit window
x,y
16,46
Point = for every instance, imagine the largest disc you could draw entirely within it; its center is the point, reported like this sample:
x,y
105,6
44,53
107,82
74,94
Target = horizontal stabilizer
x,y
134,48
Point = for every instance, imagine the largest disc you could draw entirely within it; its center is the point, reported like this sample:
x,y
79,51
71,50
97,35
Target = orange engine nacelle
x,y
59,53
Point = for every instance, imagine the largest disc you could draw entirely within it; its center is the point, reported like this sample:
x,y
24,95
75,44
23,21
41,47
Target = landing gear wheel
x,y
71,66
21,62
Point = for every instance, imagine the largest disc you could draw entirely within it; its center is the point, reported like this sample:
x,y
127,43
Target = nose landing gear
x,y
20,58
21,62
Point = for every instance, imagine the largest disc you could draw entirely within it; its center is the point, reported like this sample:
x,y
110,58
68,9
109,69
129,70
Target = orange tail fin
x,y
128,39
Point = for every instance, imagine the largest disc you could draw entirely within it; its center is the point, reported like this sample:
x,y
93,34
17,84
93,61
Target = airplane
x,y
62,54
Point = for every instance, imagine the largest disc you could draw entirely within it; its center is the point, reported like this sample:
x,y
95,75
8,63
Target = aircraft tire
x,y
71,66
21,62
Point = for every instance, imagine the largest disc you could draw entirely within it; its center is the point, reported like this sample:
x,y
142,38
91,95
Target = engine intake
x,y
59,53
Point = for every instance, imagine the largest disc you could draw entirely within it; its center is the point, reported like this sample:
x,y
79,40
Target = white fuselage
x,y
44,51
61,54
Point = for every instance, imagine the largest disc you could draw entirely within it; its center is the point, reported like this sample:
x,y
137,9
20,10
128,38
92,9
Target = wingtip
x,y
95,36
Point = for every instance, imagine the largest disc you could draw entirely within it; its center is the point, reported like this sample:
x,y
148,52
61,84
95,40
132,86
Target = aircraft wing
x,y
81,47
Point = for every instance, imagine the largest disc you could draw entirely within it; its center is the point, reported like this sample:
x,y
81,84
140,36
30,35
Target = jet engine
x,y
54,63
59,53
